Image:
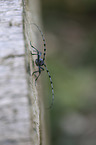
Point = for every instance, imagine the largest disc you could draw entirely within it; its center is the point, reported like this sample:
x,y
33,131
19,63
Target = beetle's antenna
x,y
43,40
51,87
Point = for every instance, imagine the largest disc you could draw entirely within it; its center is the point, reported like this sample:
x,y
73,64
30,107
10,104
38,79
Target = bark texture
x,y
14,107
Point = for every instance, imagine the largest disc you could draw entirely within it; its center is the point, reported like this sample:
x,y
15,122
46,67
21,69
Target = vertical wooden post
x,y
14,107
32,14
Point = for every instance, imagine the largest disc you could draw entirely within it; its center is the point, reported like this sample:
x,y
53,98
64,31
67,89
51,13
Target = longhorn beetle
x,y
40,62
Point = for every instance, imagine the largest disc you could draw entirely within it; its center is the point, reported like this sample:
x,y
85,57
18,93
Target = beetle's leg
x,y
33,46
33,53
34,72
42,68
38,75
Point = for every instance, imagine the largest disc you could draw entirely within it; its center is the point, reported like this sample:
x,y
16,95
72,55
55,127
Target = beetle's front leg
x,y
33,53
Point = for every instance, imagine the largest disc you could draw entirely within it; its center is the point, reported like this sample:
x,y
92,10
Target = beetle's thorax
x,y
39,62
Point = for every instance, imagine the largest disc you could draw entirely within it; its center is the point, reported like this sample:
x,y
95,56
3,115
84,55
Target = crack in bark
x,y
11,56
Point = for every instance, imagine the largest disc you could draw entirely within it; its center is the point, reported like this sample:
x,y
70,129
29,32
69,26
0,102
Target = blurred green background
x,y
70,30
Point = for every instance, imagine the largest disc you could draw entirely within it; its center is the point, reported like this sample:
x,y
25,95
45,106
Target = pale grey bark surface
x,y
14,108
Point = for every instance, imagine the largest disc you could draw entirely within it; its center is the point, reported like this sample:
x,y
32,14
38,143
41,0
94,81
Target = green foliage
x,y
74,88
80,6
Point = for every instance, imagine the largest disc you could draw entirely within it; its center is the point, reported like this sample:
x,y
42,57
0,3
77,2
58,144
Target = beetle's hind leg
x,y
40,69
34,73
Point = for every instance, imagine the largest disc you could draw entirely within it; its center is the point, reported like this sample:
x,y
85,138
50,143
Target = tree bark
x,y
14,107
